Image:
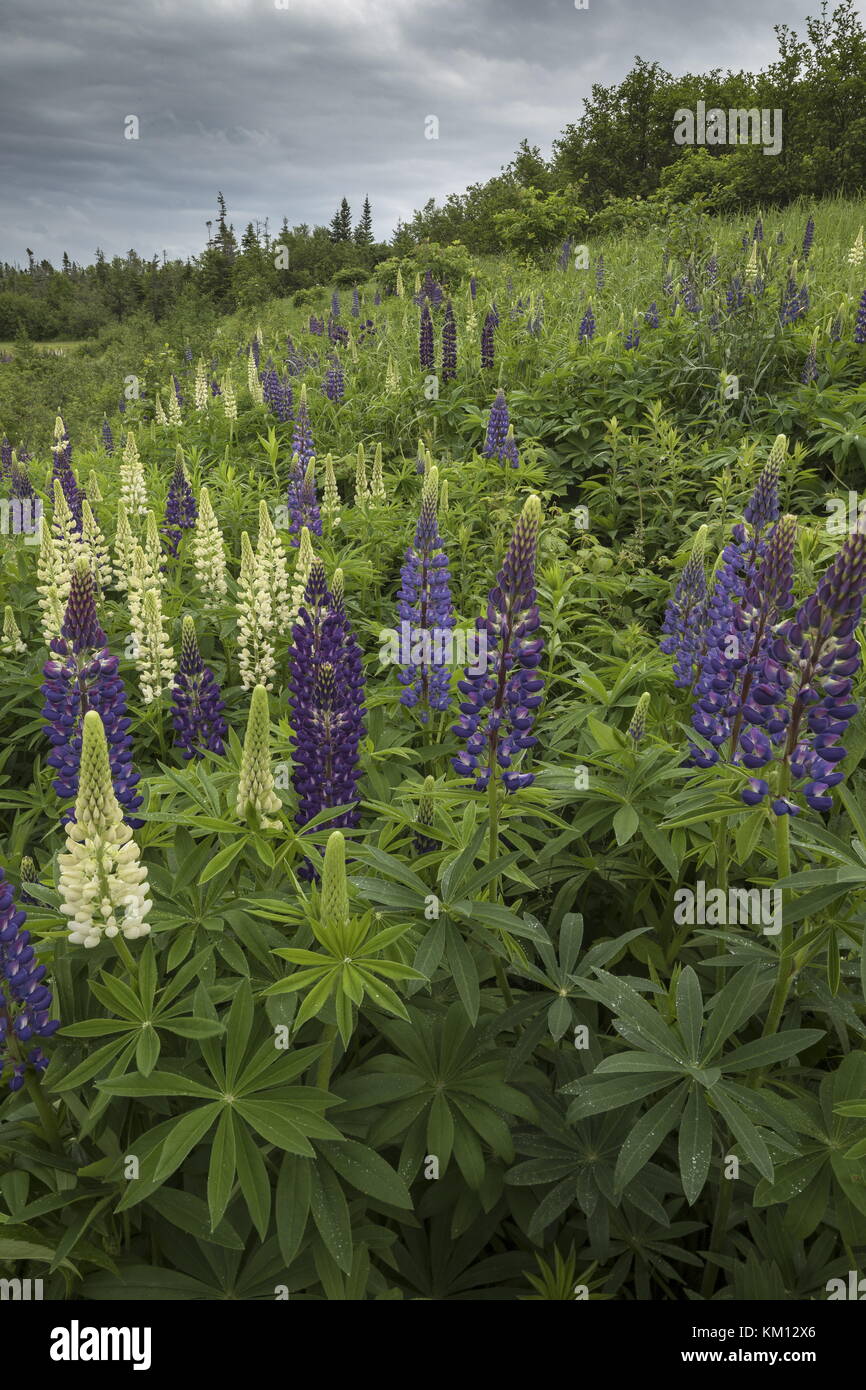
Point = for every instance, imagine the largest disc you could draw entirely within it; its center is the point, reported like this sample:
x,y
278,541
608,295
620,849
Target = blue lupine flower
x,y
487,349
686,614
107,438
425,339
25,1000
587,326
424,608
497,427
501,699
449,344
196,714
82,675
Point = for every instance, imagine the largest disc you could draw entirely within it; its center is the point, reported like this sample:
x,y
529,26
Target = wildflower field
x,y
433,833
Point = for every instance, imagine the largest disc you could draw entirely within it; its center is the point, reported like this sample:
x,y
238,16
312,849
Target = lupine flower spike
x,y
256,797
199,726
501,698
103,885
25,999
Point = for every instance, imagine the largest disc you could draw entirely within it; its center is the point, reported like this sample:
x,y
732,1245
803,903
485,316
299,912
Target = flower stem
x,y
46,1114
326,1061
786,963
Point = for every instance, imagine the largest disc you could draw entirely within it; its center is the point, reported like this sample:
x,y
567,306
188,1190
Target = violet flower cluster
x,y
197,712
425,611
326,697
181,509
25,1000
81,675
500,701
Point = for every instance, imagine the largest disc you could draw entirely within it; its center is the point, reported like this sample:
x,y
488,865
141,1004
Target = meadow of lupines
x,y
434,851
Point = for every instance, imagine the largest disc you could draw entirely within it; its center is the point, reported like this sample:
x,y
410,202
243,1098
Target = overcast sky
x,y
287,105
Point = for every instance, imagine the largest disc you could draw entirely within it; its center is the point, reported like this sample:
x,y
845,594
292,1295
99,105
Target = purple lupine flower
x,y
425,338
81,675
449,344
356,303
326,699
62,473
177,390
758,233
20,485
187,353
302,435
335,386
808,238
316,325
337,333
735,296
487,350
501,699
107,437
587,326
473,286
424,608
690,298
121,405
5,458
215,388
565,254
803,696
810,367
377,298
860,322
181,508
651,317
303,503
494,314
712,271
199,726
599,274
737,647
685,614
25,1000
497,427
335,305
632,338
256,349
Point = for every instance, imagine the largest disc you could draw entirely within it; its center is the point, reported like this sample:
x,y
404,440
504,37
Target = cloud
x,y
288,109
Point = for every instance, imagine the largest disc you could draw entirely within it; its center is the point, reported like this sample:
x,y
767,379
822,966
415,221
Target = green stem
x,y
492,853
126,956
717,1236
786,963
46,1114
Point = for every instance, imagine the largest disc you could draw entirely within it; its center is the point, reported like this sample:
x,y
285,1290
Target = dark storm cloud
x,y
287,109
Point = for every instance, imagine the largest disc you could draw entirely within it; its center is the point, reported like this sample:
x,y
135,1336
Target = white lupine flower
x,y
855,255
392,380
155,658
94,493
124,547
202,389
256,783
255,386
102,883
362,488
153,549
228,398
63,530
11,641
132,488
141,578
53,583
208,550
255,622
161,417
377,482
95,546
398,287
274,568
443,495
174,416
331,496
303,565
751,270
